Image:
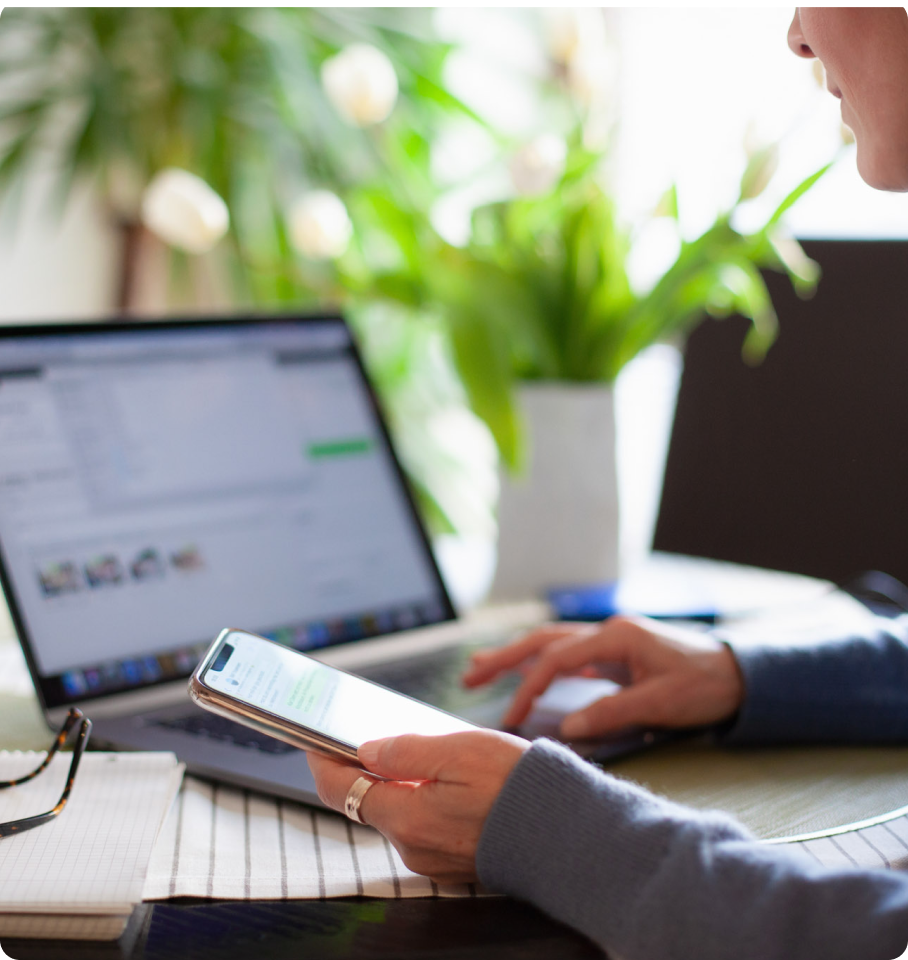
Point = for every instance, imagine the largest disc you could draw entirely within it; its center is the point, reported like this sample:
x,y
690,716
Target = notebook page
x,y
94,856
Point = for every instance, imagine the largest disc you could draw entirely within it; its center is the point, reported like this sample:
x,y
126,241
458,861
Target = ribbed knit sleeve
x,y
848,690
648,879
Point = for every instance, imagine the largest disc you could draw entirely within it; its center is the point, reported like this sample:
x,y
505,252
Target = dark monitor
x,y
800,463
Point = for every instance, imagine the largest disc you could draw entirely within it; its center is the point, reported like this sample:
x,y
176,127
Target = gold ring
x,y
355,797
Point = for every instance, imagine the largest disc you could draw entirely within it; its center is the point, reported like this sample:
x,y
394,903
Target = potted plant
x,y
542,316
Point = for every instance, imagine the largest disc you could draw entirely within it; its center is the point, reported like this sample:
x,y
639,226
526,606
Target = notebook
x,y
161,481
80,875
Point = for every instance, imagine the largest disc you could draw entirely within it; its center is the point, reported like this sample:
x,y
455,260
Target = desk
x,y
773,791
489,929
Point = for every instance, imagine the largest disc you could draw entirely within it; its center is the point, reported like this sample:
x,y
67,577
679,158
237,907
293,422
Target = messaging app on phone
x,y
274,680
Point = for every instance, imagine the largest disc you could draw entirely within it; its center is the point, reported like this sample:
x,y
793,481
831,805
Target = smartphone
x,y
286,694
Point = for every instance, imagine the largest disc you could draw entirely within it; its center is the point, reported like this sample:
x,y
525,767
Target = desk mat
x,y
779,791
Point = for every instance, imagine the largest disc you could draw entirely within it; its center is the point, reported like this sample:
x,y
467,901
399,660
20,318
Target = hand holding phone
x,y
291,696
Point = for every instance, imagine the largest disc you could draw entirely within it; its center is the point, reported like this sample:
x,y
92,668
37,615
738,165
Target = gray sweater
x,y
648,879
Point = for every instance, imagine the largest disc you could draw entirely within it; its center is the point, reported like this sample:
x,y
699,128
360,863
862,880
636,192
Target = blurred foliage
x,y
234,95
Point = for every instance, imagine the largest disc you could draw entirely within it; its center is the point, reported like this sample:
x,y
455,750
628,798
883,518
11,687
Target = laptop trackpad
x,y
566,695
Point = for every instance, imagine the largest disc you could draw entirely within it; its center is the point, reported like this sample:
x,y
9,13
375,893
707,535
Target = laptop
x,y
160,481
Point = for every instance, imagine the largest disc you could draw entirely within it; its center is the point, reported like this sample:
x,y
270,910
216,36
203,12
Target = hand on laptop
x,y
437,796
672,677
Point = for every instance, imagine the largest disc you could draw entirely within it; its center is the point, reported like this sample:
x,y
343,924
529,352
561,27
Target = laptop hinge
x,y
131,702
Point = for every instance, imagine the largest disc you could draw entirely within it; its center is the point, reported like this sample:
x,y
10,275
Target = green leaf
x,y
751,299
668,204
796,195
484,364
427,89
399,288
803,272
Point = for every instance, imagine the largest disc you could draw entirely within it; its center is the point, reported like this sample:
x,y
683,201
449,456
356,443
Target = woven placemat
x,y
779,791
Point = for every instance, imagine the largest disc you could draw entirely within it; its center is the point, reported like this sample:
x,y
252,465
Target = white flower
x,y
591,76
571,30
184,211
538,165
319,226
578,43
361,84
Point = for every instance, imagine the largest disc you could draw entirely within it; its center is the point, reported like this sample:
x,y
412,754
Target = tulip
x,y
320,228
361,84
184,211
538,165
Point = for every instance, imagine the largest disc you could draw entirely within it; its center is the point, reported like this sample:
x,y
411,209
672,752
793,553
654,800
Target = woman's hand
x,y
672,677
436,798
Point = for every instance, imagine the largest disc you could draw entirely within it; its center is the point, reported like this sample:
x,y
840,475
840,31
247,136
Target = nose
x,y
796,42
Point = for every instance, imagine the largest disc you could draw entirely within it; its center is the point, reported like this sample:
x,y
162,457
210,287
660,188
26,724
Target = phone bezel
x,y
305,738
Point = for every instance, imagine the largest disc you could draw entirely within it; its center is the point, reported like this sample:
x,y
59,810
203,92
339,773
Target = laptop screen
x,y
160,482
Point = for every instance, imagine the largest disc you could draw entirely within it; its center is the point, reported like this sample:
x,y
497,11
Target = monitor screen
x,y
800,463
161,482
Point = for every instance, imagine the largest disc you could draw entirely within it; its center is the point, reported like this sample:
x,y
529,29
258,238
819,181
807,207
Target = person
x,y
641,876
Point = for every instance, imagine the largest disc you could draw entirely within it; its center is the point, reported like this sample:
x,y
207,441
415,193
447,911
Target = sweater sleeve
x,y
647,879
848,690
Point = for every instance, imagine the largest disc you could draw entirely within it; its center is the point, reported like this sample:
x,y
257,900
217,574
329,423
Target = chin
x,y
884,173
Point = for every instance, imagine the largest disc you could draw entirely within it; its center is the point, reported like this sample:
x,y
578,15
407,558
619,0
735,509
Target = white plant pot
x,y
558,522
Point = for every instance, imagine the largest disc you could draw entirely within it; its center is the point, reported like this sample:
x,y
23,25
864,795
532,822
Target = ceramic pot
x,y
558,521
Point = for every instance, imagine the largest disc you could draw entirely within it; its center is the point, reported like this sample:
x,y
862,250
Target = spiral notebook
x,y
81,875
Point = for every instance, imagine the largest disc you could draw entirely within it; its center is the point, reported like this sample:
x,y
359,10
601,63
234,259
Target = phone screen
x,y
318,697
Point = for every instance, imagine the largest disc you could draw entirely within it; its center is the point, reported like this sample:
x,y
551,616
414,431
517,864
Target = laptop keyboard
x,y
433,677
227,731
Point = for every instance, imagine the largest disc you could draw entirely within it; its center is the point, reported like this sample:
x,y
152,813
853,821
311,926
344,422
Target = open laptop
x,y
159,482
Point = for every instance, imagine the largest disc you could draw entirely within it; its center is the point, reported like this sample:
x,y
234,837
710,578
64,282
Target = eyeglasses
x,y
72,718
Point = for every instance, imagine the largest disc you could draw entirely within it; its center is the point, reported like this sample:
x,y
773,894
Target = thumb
x,y
407,757
632,706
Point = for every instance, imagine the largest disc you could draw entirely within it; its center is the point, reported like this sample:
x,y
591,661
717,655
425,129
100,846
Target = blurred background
x,y
494,197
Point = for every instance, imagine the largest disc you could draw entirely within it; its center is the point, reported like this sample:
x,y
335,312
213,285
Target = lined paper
x,y
94,856
222,841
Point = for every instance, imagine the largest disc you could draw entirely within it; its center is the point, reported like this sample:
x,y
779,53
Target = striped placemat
x,y
229,843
